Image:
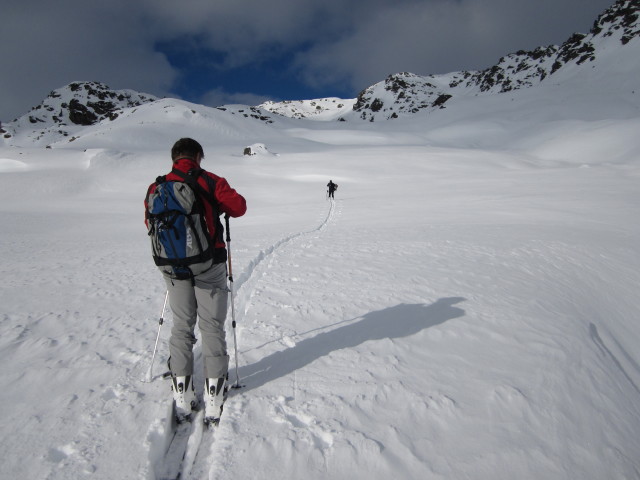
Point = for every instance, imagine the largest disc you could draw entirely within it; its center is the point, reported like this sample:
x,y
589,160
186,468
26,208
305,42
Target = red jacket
x,y
227,199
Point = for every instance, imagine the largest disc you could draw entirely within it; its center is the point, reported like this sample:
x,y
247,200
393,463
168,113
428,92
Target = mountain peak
x,y
621,17
405,94
75,105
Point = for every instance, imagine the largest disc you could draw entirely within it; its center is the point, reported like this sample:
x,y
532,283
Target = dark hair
x,y
186,147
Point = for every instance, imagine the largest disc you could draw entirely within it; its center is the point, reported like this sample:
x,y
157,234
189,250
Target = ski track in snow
x,y
268,252
207,454
200,456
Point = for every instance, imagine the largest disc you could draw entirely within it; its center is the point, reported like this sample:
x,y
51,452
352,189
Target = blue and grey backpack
x,y
180,241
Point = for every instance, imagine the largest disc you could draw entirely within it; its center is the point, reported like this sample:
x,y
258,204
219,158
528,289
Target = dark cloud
x,y
328,44
50,44
443,36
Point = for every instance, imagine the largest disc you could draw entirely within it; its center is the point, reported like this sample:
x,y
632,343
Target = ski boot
x,y
184,398
215,393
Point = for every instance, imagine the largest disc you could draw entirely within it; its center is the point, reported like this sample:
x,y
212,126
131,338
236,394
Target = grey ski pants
x,y
208,300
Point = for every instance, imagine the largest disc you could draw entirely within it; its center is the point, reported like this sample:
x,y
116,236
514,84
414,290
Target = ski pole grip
x,y
226,222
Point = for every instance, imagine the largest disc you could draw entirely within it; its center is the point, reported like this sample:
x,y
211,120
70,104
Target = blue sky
x,y
201,68
217,52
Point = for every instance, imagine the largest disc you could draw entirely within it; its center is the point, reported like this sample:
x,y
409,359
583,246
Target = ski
x,y
172,465
199,465
195,444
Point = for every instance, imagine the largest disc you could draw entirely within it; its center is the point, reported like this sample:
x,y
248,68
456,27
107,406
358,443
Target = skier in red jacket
x,y
205,295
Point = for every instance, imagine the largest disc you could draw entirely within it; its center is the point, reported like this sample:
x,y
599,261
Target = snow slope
x,y
465,309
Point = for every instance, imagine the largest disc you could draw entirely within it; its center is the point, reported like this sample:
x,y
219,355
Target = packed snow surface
x,y
466,308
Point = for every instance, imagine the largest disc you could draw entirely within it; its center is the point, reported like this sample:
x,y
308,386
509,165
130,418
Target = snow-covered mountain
x,y
405,94
615,34
68,109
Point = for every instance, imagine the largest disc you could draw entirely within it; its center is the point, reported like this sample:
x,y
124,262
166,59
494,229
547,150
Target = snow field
x,y
465,309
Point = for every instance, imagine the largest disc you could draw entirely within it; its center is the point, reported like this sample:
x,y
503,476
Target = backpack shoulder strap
x,y
191,179
158,181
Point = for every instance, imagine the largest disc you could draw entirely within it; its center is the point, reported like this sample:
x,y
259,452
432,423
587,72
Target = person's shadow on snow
x,y
395,322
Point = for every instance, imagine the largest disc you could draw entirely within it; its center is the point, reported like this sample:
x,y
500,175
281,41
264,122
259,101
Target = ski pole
x,y
155,348
233,311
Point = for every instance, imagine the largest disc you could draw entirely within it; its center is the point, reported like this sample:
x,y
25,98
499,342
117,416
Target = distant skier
x,y
332,188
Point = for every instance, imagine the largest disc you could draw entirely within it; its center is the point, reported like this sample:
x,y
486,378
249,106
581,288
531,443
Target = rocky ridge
x,y
78,104
405,94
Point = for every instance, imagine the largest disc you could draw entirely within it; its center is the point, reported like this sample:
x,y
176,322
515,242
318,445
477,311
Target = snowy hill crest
x,y
320,109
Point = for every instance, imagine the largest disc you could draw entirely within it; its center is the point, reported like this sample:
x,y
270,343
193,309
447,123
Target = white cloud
x,y
218,96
